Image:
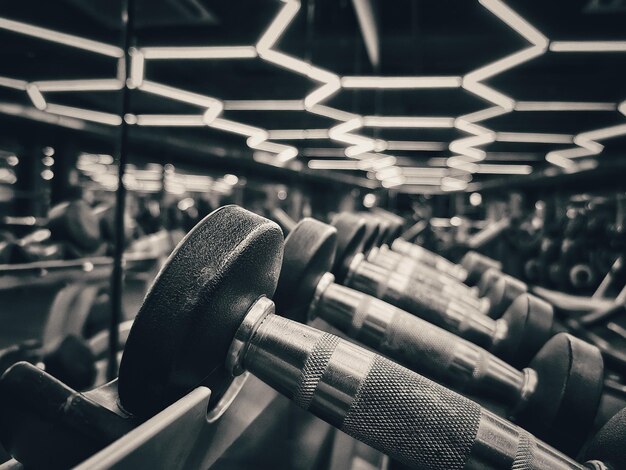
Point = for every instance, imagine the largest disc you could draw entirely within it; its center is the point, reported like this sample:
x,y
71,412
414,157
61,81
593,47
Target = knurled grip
x,y
450,360
423,302
419,422
421,346
525,454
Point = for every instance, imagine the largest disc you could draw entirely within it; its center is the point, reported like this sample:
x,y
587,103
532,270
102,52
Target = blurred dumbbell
x,y
76,223
582,276
501,290
556,397
71,361
105,213
386,229
365,239
397,222
428,276
471,269
149,215
284,220
428,257
35,246
607,445
516,337
216,283
372,233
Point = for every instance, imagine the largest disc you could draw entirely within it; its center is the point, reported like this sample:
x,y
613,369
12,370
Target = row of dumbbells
x,y
72,230
443,372
574,249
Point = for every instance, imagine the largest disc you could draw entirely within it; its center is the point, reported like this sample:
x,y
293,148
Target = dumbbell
x,y
384,257
499,289
206,319
76,223
608,443
493,295
425,256
386,231
372,233
470,271
397,222
556,397
105,213
429,276
284,221
30,248
516,337
71,361
582,276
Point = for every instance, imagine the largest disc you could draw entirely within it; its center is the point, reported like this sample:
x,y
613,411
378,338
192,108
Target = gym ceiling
x,y
414,96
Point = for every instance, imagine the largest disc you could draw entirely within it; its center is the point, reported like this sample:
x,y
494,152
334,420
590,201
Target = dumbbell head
x,y
7,245
75,222
350,240
476,265
529,321
72,362
607,445
570,378
396,222
501,290
182,333
395,230
46,425
582,276
372,234
308,255
385,231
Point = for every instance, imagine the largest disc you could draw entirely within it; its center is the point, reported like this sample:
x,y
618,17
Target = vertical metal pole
x,y
117,277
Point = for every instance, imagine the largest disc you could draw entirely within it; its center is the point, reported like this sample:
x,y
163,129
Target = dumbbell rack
x,y
49,272
248,433
63,286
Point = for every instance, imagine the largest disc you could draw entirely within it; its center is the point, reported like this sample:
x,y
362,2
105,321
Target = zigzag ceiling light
x,y
366,153
586,142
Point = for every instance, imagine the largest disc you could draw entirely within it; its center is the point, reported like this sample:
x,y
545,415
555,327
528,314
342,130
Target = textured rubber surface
x,y
406,415
309,254
608,444
530,321
570,376
350,240
186,324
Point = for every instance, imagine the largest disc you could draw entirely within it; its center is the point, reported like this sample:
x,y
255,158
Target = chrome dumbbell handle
x,y
379,402
428,257
422,346
387,258
428,276
449,314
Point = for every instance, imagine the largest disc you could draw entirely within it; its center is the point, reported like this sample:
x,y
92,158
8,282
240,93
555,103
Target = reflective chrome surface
x,y
498,442
432,259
